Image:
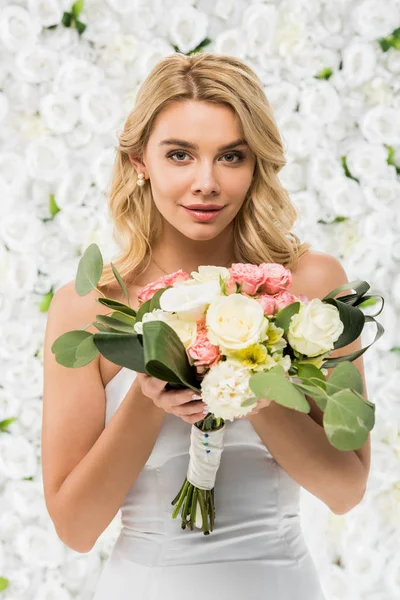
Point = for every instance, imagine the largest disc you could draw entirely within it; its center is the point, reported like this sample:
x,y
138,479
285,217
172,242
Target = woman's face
x,y
187,163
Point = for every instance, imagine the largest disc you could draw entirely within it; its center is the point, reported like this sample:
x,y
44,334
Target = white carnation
x,y
224,387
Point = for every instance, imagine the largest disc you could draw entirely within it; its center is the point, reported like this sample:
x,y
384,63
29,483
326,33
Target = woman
x,y
201,133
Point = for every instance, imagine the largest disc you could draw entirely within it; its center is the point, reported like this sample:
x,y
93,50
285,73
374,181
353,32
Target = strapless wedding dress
x,y
256,551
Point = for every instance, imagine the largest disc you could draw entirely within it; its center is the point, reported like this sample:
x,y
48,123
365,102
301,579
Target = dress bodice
x,y
256,502
256,550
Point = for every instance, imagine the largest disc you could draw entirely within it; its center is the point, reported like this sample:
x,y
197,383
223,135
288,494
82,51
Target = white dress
x,y
256,550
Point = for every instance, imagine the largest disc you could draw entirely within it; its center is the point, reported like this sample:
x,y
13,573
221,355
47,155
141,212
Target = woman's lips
x,y
203,215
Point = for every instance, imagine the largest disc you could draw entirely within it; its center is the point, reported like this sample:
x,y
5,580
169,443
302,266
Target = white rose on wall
x,y
188,27
314,329
18,30
17,457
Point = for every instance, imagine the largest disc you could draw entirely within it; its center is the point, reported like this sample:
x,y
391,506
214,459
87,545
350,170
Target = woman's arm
x,y
87,468
297,440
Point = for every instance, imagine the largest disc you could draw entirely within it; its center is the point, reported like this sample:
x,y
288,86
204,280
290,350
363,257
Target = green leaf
x,y
102,327
346,169
74,349
122,349
353,320
117,306
124,318
90,268
77,8
395,349
28,478
284,316
348,420
151,304
361,287
332,362
249,401
67,19
325,73
310,374
115,324
3,584
120,281
344,376
273,386
165,355
46,301
198,48
80,26
315,392
6,423
53,208
370,301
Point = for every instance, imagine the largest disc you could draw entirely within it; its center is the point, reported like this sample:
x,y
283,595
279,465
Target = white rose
x,y
206,273
21,231
18,30
367,160
59,112
17,457
299,136
47,12
188,27
235,322
4,106
314,329
39,547
283,97
259,25
100,109
381,124
76,75
189,301
12,174
325,171
359,60
46,159
224,387
26,499
371,22
320,103
37,66
185,330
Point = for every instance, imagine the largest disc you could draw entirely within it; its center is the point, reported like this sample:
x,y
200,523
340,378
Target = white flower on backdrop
x,y
331,74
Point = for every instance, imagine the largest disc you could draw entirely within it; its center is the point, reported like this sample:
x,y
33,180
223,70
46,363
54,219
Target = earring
x,y
141,180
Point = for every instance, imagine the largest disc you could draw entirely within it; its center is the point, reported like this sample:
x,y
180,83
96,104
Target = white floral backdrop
x,y
68,78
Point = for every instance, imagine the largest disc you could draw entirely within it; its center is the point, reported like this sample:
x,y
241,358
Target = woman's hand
x,y
262,403
177,402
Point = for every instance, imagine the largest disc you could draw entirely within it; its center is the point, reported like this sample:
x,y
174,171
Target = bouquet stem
x,y
197,503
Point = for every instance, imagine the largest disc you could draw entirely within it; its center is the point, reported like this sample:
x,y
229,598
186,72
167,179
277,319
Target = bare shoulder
x,y
318,273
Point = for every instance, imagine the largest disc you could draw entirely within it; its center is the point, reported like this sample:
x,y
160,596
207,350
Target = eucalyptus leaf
x,y
122,349
102,327
249,401
348,420
90,268
273,386
117,306
65,348
115,324
120,281
165,355
345,376
316,393
85,352
311,374
124,318
284,316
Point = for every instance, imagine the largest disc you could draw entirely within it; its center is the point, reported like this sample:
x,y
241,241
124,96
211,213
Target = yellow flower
x,y
274,334
254,357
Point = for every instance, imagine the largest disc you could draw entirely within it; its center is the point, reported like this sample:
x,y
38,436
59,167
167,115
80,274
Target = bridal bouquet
x,y
234,336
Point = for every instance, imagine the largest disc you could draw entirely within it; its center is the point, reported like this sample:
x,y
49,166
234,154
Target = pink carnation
x,y
276,278
249,276
269,304
148,291
284,299
202,351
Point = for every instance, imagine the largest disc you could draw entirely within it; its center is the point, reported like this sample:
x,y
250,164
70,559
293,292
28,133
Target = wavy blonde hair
x,y
262,226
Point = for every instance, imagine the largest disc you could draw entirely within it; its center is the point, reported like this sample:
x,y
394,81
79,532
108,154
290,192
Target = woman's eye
x,y
240,157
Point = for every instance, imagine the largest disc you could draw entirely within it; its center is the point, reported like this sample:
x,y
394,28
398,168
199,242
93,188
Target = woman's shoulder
x,y
317,273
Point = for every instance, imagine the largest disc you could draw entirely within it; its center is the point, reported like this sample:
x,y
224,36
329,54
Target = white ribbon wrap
x,y
203,465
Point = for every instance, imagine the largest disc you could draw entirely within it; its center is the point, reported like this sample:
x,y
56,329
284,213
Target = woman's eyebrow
x,y
192,146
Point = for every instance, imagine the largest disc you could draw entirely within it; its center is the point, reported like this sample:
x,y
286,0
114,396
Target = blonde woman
x,y
195,183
